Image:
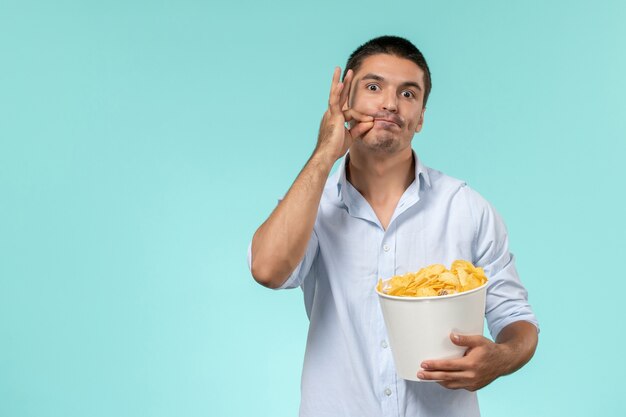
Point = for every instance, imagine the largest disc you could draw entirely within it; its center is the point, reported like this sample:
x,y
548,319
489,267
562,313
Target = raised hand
x,y
340,125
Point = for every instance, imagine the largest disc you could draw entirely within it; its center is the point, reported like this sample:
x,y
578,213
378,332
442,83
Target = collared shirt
x,y
348,366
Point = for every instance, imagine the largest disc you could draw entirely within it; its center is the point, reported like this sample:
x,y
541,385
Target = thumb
x,y
360,129
469,341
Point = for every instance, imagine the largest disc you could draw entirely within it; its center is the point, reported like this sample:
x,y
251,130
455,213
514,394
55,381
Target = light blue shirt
x,y
348,365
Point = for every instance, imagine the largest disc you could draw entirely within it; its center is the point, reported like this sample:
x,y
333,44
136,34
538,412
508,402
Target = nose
x,y
390,102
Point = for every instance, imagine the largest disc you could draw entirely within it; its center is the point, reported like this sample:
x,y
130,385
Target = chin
x,y
374,141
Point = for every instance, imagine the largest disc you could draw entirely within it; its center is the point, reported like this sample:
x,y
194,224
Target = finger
x,y
456,380
335,92
345,93
455,385
351,114
360,129
469,341
336,75
445,365
459,377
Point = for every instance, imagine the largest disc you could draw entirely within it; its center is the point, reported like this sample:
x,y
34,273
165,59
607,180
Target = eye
x,y
408,94
372,87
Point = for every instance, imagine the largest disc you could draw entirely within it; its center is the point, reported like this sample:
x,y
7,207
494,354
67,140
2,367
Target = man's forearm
x,y
279,244
281,241
520,339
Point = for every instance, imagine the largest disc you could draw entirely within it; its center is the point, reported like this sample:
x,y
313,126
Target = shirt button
x,y
384,344
387,392
386,248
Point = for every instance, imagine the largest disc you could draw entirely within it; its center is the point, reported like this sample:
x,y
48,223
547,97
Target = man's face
x,y
391,89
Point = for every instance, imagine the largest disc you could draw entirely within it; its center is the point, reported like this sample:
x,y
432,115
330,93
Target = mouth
x,y
386,122
388,119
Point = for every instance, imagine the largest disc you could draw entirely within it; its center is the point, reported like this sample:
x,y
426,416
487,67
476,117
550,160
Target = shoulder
x,y
443,184
440,181
460,194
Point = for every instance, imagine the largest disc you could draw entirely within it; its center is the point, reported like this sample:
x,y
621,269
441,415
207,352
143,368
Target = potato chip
x,y
435,280
424,292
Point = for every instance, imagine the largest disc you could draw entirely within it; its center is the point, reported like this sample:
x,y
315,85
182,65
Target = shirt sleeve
x,y
507,299
304,267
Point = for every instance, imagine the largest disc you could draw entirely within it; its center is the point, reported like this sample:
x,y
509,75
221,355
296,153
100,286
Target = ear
x,y
346,105
421,122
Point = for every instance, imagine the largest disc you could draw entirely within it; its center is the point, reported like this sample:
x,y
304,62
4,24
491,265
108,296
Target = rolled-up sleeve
x,y
507,299
304,267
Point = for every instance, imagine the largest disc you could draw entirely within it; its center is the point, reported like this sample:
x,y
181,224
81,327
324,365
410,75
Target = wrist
x,y
324,158
517,343
508,358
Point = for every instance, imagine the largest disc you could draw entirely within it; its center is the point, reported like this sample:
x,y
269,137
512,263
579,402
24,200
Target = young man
x,y
384,213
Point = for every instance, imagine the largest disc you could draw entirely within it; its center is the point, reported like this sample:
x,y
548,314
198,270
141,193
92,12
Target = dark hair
x,y
391,45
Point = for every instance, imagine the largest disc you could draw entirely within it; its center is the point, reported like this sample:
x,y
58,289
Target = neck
x,y
381,177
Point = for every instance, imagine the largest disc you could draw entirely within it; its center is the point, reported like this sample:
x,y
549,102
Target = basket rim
x,y
432,297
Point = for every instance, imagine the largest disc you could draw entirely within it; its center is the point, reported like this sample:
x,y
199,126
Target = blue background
x,y
142,143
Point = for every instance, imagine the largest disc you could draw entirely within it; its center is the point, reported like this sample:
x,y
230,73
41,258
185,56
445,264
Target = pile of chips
x,y
435,280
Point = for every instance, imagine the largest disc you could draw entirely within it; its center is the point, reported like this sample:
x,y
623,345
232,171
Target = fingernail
x,y
424,366
456,337
420,375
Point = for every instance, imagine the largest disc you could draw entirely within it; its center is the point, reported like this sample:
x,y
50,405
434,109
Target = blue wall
x,y
142,143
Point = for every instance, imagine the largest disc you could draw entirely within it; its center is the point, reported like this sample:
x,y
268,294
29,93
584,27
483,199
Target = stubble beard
x,y
380,142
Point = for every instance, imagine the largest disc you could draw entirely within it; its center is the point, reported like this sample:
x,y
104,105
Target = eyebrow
x,y
377,77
